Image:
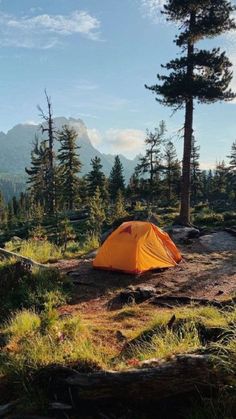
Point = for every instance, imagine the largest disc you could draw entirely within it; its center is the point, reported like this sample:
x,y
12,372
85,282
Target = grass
x,y
45,251
35,340
167,343
22,288
41,251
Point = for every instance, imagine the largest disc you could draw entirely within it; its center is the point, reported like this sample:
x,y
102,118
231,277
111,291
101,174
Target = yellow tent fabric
x,y
136,247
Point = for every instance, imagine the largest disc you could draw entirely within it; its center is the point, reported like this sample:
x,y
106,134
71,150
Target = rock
x,y
132,295
120,337
181,234
218,242
16,239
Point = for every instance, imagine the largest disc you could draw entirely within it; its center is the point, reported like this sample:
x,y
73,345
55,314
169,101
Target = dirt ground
x,y
205,272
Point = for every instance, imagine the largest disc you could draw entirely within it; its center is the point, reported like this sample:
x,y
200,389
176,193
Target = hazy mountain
x,y
16,146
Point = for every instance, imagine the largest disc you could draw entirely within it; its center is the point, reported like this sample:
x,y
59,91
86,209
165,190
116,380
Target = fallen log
x,y
27,261
154,380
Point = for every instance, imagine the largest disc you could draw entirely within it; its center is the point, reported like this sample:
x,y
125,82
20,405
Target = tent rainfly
x,y
136,247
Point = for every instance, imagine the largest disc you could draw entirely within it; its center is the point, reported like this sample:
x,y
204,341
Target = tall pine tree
x,y
116,179
199,74
38,179
232,168
95,178
195,172
69,167
150,164
48,127
172,172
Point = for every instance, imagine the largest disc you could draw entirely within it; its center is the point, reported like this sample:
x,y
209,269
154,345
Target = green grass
x,y
167,343
21,288
41,251
36,340
33,343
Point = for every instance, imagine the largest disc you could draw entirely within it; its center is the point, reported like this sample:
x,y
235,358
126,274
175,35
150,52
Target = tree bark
x,y
184,218
154,381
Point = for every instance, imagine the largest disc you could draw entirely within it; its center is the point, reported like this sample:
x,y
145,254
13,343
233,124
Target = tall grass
x,y
41,251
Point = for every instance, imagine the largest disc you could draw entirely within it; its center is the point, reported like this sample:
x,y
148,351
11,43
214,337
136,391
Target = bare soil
x,y
205,272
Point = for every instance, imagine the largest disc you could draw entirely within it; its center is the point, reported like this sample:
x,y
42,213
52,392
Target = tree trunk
x,y
186,170
184,218
154,381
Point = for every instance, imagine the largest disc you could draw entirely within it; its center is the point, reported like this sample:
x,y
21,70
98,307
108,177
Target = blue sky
x,y
94,57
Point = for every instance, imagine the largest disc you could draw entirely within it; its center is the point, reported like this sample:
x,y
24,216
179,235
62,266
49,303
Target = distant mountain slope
x,y
16,146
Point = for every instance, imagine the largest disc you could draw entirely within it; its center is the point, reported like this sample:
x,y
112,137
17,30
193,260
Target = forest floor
x,y
205,272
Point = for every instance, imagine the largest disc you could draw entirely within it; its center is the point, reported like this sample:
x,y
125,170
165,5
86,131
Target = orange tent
x,y
136,247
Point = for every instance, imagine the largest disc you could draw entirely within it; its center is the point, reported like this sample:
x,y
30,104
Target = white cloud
x,y
152,9
44,31
95,136
127,141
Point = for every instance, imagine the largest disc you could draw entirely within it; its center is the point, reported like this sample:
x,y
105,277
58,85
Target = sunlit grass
x,y
168,343
41,251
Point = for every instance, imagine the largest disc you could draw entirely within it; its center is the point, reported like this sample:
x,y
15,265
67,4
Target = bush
x,y
230,216
21,288
209,218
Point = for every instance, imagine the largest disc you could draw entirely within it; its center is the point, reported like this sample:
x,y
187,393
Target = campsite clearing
x,y
202,274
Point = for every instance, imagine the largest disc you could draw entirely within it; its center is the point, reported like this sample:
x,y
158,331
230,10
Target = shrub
x,y
230,216
21,288
209,218
23,323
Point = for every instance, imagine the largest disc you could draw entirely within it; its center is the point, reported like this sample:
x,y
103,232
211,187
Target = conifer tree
x,y
220,180
95,178
119,211
38,174
195,172
65,233
2,208
97,213
150,164
198,75
171,169
48,127
69,166
116,179
232,168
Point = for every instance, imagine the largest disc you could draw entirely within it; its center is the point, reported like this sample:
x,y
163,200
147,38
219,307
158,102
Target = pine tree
x,y
195,172
199,74
232,168
2,208
220,180
48,127
96,178
97,214
69,166
119,211
172,171
65,233
150,164
38,174
116,179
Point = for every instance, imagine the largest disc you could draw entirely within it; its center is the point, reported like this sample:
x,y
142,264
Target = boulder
x,y
181,233
132,295
218,242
